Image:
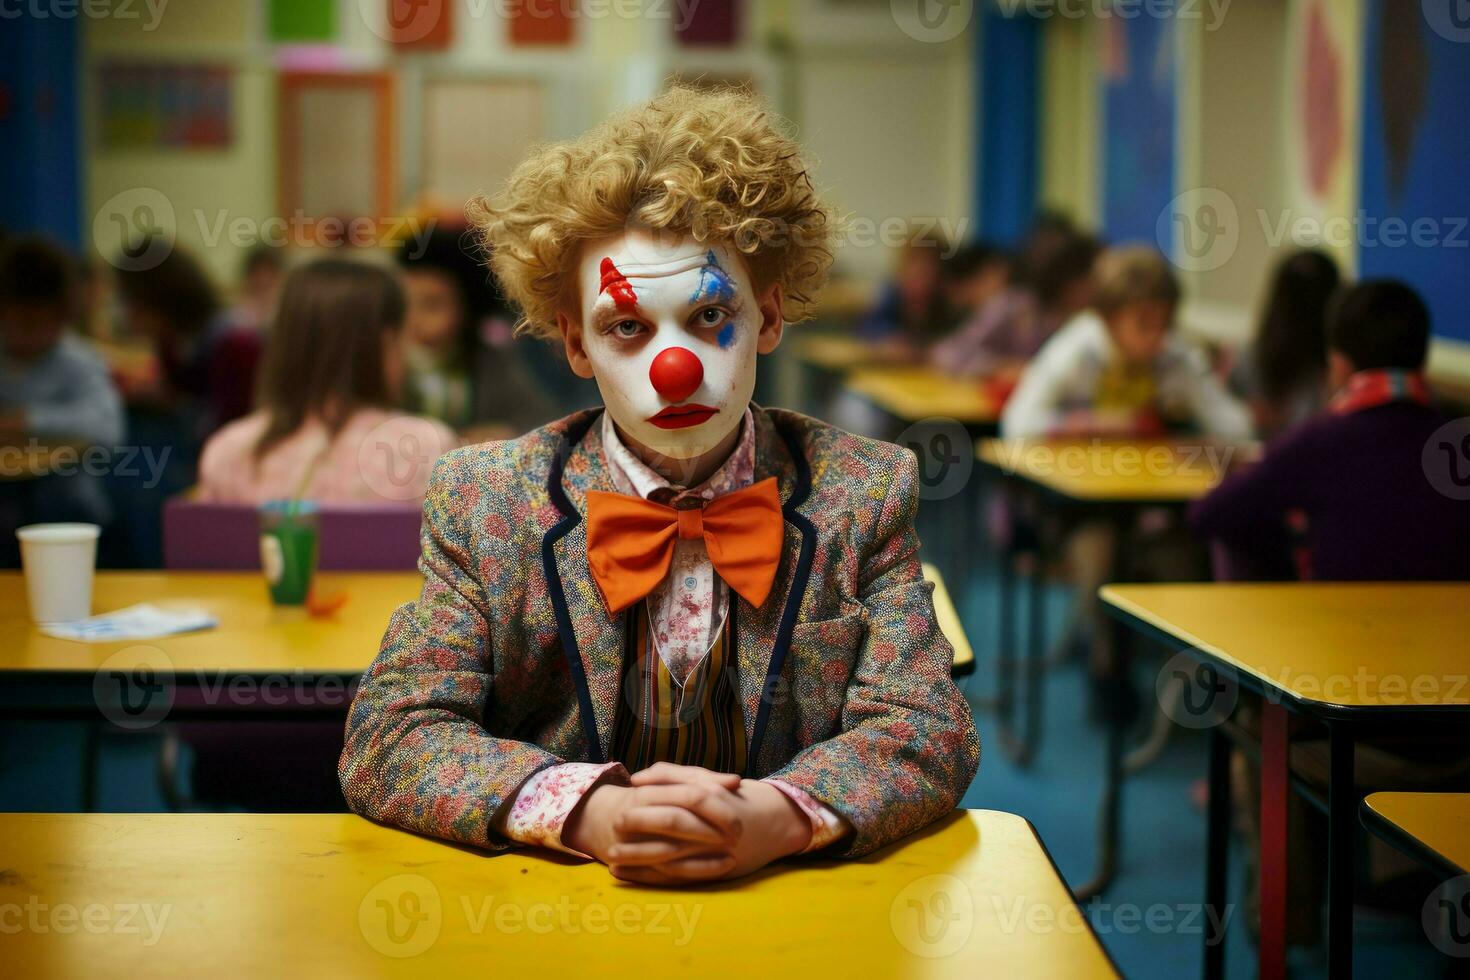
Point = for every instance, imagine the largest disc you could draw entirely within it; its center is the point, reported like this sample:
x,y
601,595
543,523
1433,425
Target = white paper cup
x,y
59,562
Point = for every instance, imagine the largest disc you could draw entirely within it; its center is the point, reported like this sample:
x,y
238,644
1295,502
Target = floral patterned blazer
x,y
508,662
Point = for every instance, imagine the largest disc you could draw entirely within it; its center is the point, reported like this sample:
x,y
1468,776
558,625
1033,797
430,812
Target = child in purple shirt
x,y
1358,492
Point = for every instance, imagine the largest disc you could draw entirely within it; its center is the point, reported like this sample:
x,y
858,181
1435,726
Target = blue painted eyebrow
x,y
715,284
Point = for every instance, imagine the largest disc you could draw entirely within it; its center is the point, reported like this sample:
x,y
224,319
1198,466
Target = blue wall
x,y
1427,78
1138,107
40,170
1008,79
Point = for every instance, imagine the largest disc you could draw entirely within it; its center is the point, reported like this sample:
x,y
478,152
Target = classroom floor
x,y
1160,880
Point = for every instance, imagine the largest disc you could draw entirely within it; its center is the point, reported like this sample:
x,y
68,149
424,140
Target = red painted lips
x,y
683,416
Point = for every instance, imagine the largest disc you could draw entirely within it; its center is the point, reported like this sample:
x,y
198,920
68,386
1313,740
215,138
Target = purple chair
x,y
219,537
280,765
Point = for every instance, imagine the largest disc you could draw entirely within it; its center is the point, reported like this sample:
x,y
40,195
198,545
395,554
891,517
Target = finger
x,y
667,822
716,806
655,851
667,772
702,868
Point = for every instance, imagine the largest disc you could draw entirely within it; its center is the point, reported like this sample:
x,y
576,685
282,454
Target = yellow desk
x,y
1335,648
1389,656
949,623
1094,470
835,352
913,393
1432,827
253,636
259,895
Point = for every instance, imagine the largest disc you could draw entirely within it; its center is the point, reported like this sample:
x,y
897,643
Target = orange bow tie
x,y
630,541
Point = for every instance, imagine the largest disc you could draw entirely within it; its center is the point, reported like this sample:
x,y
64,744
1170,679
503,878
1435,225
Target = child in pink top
x,y
324,429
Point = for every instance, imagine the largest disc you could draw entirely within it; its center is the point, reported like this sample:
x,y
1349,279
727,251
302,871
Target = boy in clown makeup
x,y
683,634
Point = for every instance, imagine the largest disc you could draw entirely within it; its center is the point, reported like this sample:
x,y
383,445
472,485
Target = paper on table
x,y
140,622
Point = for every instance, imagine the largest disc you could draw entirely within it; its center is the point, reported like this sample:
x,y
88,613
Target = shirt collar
x,y
631,476
1369,389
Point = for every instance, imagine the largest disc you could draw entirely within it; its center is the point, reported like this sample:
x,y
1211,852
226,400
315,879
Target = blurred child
x,y
53,388
207,368
1122,370
1050,284
260,286
1350,488
326,429
454,373
1283,375
972,277
911,311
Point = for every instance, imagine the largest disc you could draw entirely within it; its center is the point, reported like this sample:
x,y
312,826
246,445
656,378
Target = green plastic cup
x,y
288,548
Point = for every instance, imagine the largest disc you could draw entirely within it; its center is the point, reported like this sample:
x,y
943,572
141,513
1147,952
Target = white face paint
x,y
642,298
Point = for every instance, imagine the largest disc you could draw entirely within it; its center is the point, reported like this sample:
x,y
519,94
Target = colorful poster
x,y
302,21
1138,106
541,22
156,106
421,24
709,23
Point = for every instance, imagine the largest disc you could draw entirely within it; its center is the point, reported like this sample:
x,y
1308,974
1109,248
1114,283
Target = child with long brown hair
x,y
324,428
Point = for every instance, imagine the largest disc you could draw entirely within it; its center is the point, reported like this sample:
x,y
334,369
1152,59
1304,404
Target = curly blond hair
x,y
712,164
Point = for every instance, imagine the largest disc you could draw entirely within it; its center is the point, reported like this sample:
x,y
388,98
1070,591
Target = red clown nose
x,y
676,373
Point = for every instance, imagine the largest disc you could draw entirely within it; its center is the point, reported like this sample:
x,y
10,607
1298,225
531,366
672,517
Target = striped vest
x,y
705,728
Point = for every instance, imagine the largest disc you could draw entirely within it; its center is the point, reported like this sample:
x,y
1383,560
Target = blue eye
x,y
627,328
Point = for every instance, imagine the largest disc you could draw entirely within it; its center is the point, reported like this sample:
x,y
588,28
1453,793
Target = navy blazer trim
x,y
570,519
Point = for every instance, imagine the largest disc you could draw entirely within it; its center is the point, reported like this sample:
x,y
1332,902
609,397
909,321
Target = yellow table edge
x,y
949,621
988,451
1393,816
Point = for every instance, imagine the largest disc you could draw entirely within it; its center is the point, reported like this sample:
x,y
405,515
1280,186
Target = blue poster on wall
x,y
1138,108
1416,157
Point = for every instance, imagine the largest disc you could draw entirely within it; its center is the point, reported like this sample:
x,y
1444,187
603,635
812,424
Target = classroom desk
x,y
835,351
1433,828
46,676
1311,649
315,895
912,393
1105,479
949,623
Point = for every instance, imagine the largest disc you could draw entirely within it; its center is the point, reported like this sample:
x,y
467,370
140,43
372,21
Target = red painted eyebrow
x,y
616,284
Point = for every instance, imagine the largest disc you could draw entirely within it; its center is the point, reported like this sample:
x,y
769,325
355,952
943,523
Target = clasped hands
x,y
683,824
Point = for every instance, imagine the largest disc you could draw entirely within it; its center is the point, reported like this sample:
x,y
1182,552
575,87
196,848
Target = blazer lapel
x,y
591,639
763,635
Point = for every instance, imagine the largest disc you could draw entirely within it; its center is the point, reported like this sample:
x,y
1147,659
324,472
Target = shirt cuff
x,y
828,827
545,801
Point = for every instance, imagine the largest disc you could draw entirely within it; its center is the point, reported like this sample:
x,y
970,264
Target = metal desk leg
x,y
1275,797
1019,745
1217,855
1342,804
1109,810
